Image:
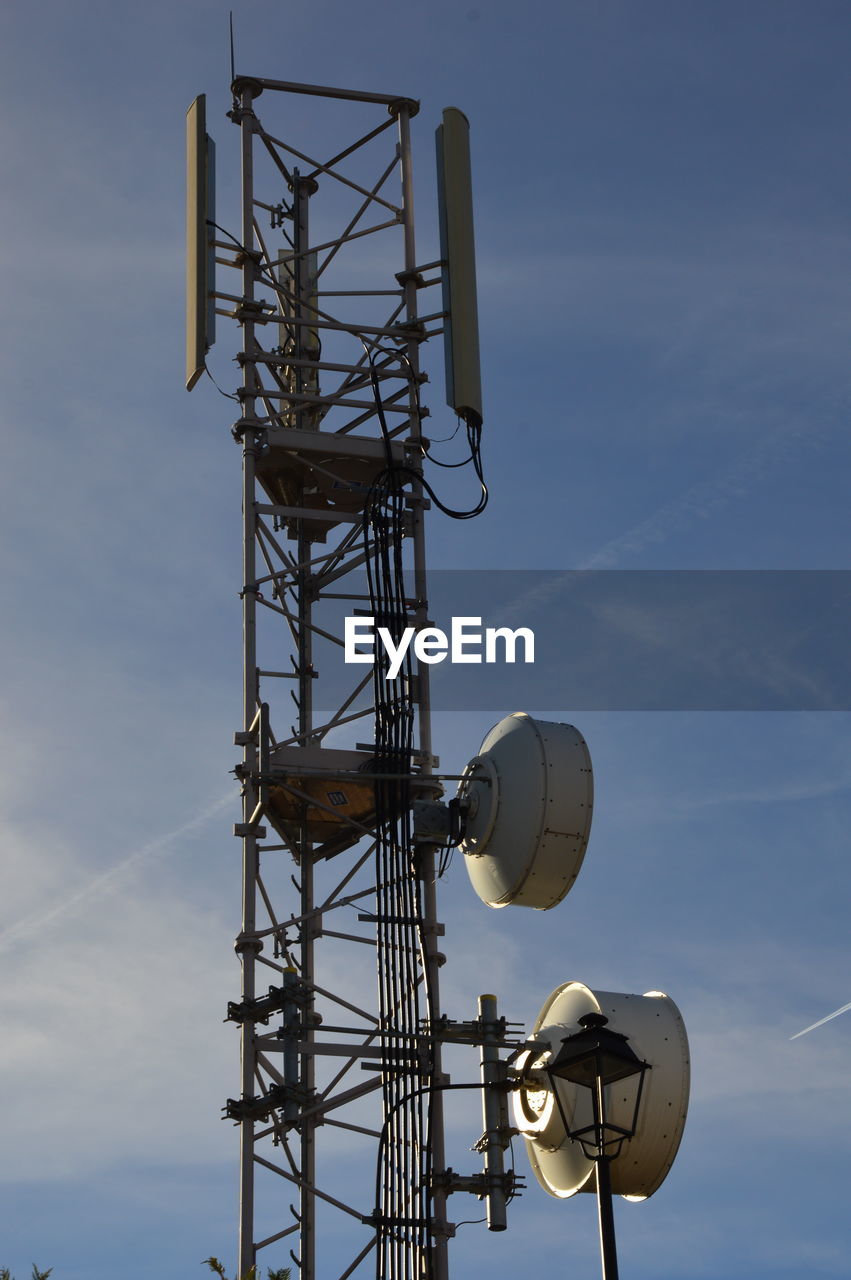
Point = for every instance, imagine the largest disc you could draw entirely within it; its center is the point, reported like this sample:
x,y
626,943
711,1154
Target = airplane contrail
x,y
705,497
38,919
822,1021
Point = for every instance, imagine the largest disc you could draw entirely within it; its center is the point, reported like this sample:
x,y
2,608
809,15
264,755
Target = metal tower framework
x,y
342,1160
330,429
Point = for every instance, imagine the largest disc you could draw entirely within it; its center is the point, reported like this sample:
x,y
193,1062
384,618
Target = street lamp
x,y
597,1058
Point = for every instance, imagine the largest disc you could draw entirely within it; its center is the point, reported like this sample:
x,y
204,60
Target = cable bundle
x,y
402,1197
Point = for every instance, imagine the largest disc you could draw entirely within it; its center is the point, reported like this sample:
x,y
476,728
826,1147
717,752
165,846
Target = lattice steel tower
x,y
337,882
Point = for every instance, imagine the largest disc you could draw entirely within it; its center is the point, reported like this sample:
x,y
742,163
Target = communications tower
x,y
344,829
333,306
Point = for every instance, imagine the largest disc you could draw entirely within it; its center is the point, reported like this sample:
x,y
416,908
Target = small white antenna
x,y
822,1021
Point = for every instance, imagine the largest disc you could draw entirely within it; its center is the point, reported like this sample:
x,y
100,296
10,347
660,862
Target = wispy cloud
x,y
107,880
708,497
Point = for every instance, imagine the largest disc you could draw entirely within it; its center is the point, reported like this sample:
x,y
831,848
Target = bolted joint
x,y
250,313
488,1028
245,942
412,274
307,186
259,1009
441,1229
251,1108
477,1184
437,1227
242,115
503,1135
412,329
433,929
242,426
408,105
242,84
447,1181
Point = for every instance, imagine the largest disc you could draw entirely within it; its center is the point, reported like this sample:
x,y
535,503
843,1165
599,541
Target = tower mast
x,y
330,428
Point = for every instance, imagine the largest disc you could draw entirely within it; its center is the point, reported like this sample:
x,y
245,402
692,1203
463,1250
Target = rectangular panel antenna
x,y
457,249
200,249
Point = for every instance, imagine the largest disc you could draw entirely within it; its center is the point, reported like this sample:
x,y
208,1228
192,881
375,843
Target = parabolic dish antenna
x,y
529,797
656,1033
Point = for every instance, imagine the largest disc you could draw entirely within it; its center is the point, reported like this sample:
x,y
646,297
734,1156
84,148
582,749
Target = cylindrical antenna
x,y
492,1108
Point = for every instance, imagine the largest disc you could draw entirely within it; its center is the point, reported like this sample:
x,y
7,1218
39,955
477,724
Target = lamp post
x,y
596,1058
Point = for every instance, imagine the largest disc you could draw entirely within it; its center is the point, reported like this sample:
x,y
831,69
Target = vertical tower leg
x,y
302,189
247,944
323,470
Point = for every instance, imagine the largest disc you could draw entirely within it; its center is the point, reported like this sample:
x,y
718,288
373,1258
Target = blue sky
x,y
664,245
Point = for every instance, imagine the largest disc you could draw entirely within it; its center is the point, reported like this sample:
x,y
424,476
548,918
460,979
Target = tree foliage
x,y
280,1273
